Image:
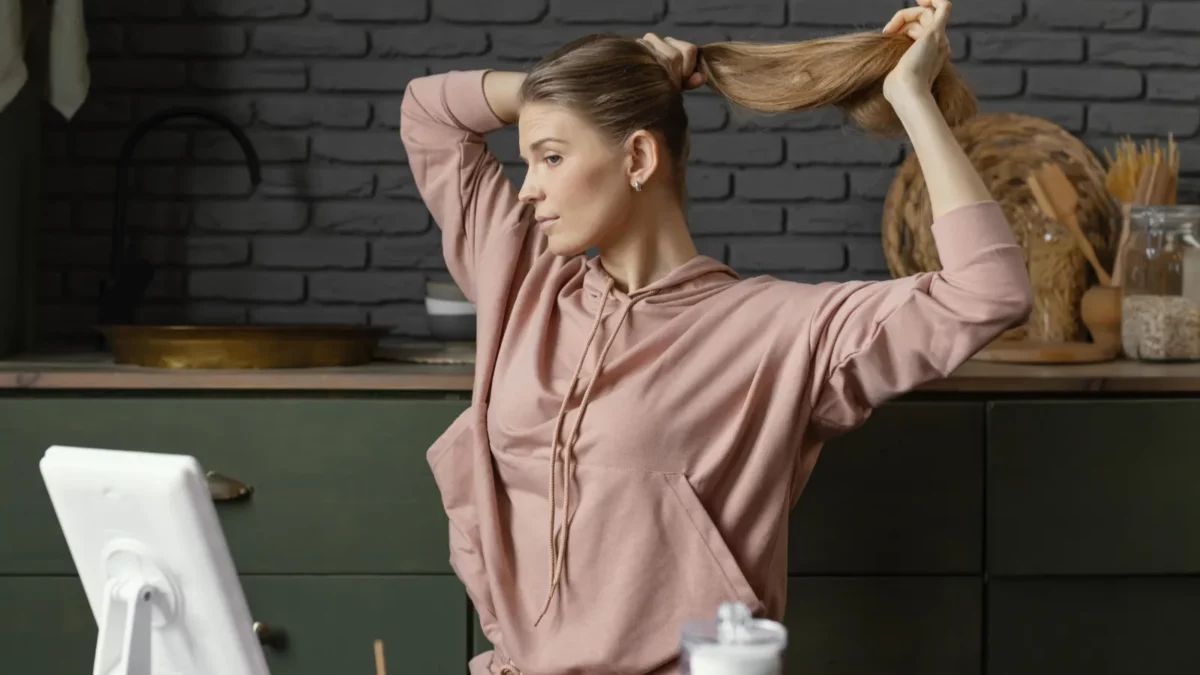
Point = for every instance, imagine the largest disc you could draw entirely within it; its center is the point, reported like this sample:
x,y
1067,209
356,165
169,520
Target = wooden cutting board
x,y
1028,351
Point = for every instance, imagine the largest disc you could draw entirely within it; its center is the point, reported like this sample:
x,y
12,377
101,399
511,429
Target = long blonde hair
x,y
618,84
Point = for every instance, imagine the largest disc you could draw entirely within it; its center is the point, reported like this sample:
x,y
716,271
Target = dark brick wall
x,y
336,233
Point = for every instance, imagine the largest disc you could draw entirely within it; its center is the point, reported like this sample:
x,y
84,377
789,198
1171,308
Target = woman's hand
x,y
920,65
678,57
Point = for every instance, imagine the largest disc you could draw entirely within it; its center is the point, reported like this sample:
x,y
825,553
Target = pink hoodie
x,y
686,417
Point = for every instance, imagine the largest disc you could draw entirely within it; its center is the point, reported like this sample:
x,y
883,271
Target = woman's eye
x,y
553,160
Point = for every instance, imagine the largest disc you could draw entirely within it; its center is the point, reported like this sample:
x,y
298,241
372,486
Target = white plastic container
x,y
735,643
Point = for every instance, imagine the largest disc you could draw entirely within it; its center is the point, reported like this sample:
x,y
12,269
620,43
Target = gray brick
x,y
317,183
195,251
310,40
1181,87
871,183
249,9
867,255
355,147
713,248
828,117
74,249
371,10
1142,51
251,216
611,11
105,39
271,147
790,184
705,113
1084,82
958,46
371,218
136,75
408,319
198,181
250,75
308,315
704,184
856,218
779,255
1069,116
397,183
1175,17
503,143
366,287
100,108
860,13
79,180
387,113
420,41
784,34
1026,47
303,111
842,147
729,12
471,11
211,313
989,13
355,76
993,81
65,320
106,145
706,219
529,44
134,9
140,215
246,285
160,40
310,252
1136,118
1086,14
1189,157
408,253
237,109
737,149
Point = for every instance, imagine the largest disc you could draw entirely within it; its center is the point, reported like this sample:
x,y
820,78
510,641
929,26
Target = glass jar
x,y
1160,284
1058,274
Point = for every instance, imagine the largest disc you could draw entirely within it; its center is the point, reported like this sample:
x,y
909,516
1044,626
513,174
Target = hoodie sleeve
x,y
872,341
442,122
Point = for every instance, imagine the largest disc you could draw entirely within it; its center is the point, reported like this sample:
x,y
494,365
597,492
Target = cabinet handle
x,y
226,489
269,637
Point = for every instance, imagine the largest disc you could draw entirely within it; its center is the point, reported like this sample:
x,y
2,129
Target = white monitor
x,y
152,557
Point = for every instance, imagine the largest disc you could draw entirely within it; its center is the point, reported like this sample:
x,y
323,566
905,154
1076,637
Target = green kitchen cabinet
x,y
1093,625
1094,487
339,486
321,624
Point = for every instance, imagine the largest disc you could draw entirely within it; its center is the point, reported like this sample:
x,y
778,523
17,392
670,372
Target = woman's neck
x,y
654,242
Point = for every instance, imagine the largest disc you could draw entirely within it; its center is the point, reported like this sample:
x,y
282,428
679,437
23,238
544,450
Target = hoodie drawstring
x,y
557,554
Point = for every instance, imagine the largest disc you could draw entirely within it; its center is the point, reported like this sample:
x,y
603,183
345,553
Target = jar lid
x,y
735,626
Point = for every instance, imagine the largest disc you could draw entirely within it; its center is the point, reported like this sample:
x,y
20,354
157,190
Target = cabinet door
x,y
1094,487
339,485
884,625
1109,626
329,624
901,494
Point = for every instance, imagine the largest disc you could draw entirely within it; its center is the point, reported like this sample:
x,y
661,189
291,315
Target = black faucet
x,y
129,274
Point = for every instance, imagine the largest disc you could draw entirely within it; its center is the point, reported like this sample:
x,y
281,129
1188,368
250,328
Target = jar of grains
x,y
1160,284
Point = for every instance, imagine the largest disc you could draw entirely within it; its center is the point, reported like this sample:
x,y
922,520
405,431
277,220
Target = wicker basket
x,y
1005,148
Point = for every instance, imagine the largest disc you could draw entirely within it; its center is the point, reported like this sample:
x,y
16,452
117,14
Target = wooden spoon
x,y
1057,197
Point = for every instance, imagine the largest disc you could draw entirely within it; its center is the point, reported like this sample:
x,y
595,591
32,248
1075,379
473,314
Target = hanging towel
x,y
67,77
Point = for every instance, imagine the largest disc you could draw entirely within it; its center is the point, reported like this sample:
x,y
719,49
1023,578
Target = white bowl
x,y
438,307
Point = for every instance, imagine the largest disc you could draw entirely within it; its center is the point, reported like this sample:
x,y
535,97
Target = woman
x,y
643,421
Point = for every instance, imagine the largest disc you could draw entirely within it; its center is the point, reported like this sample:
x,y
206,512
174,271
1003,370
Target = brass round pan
x,y
235,346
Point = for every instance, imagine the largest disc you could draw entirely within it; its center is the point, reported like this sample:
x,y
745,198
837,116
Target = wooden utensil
x,y
380,668
1058,199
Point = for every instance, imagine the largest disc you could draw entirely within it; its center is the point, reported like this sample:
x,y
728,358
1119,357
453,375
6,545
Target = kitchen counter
x,y
83,371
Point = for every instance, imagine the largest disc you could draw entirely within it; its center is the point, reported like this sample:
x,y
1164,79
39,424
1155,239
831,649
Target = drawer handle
x,y
226,489
269,637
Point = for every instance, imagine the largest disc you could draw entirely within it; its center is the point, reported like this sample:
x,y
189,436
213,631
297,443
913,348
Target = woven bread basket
x,y
1005,148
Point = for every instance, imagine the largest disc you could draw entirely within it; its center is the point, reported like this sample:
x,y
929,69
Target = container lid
x,y
735,626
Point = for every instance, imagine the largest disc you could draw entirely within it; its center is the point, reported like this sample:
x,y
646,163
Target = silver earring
x,y
637,185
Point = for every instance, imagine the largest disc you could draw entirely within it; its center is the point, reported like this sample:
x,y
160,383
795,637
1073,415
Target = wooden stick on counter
x,y
380,668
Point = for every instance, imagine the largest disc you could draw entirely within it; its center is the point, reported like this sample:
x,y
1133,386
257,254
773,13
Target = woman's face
x,y
578,181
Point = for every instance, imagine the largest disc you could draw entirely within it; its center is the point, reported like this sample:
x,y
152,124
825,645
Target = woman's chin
x,y
563,246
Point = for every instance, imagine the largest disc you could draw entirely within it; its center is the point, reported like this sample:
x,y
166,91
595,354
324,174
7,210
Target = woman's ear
x,y
643,156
